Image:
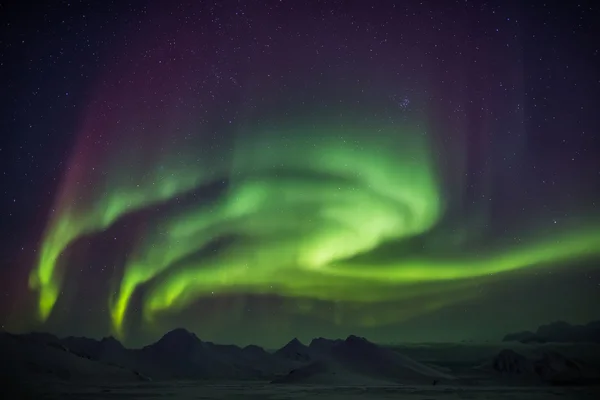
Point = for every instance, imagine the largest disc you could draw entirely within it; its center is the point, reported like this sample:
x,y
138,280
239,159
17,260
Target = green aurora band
x,y
77,213
303,204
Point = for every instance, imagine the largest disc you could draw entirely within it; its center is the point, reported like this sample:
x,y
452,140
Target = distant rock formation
x,y
295,350
358,361
559,332
551,368
511,362
107,349
323,346
29,356
180,354
559,370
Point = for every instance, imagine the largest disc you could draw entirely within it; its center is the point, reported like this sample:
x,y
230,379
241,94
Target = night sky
x,y
257,171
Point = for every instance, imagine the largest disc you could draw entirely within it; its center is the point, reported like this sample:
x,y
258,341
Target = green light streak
x,y
306,204
567,247
364,283
76,218
302,201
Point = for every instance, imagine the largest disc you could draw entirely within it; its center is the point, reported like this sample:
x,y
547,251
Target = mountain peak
x,y
110,340
294,344
180,333
356,339
180,336
295,349
111,343
359,343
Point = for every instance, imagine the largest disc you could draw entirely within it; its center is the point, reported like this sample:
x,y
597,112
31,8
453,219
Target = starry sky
x,y
257,171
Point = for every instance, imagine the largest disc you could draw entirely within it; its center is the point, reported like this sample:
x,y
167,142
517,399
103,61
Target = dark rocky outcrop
x,y
559,332
512,363
550,368
296,351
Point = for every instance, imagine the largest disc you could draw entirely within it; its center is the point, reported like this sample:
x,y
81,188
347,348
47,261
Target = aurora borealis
x,y
348,166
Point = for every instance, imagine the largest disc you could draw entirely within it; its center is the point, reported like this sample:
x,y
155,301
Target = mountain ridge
x,y
181,355
558,332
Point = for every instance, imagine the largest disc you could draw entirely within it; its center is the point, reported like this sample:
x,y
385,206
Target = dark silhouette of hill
x,y
510,362
295,351
550,367
360,361
559,332
30,355
181,355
